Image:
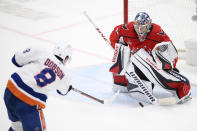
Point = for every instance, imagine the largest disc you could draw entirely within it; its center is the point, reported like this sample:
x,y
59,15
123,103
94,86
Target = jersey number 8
x,y
45,77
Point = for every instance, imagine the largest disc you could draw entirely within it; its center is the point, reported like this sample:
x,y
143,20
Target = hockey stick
x,y
98,30
96,99
152,99
181,51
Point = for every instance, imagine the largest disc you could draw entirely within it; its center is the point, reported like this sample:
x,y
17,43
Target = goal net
x,y
174,16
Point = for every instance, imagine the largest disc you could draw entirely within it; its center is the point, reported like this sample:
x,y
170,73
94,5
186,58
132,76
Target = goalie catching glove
x,y
165,55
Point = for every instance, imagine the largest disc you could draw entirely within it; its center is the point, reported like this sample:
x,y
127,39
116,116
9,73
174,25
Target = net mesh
x,y
159,6
174,16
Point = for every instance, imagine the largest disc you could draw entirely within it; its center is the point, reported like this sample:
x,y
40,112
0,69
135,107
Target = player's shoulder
x,y
128,26
125,26
124,29
35,49
40,53
156,28
157,33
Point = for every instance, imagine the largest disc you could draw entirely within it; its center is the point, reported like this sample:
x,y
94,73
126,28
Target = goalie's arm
x,y
115,36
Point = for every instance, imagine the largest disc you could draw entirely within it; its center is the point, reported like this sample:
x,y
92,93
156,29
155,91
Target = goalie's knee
x,y
182,87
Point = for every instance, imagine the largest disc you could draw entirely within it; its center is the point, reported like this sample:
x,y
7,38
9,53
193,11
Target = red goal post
x,y
125,10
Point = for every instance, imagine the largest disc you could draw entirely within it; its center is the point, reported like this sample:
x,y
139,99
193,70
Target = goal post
x,y
125,11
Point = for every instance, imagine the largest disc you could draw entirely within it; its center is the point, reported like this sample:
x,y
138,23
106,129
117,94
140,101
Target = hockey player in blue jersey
x,y
27,90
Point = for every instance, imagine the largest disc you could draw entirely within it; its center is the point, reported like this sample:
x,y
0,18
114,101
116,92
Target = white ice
x,y
46,22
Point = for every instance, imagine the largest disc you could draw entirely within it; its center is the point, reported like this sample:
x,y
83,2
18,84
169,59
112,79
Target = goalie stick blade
x,y
112,98
167,101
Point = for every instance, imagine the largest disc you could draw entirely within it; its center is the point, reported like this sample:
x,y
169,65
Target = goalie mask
x,y
142,25
63,52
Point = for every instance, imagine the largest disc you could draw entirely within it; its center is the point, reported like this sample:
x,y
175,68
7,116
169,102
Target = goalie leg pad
x,y
169,80
120,59
133,77
137,93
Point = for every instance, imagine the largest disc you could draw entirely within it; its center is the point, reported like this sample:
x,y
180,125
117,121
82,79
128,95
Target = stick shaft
x,y
98,30
87,95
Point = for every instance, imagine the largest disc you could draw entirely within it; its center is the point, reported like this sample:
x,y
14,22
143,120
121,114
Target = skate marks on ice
x,y
19,9
97,81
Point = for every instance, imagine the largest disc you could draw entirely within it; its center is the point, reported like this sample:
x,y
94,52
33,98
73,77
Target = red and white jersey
x,y
39,73
126,34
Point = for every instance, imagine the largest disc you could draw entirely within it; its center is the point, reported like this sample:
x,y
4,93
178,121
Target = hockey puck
x,y
141,104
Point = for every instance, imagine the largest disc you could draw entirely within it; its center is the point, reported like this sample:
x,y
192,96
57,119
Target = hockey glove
x,y
59,92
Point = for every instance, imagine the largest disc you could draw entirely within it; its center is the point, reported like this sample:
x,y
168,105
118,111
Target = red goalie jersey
x,y
128,39
126,34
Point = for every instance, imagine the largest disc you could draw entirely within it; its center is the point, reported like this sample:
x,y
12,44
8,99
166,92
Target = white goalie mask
x,y
64,52
142,25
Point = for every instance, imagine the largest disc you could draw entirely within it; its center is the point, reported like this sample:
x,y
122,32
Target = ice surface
x,y
46,22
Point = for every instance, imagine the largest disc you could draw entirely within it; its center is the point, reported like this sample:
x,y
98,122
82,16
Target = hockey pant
x,y
23,116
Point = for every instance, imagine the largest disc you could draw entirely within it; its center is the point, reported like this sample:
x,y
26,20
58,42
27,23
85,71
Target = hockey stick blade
x,y
167,101
112,98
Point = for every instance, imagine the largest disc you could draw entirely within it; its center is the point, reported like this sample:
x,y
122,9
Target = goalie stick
x,y
148,94
96,99
152,99
97,29
182,52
